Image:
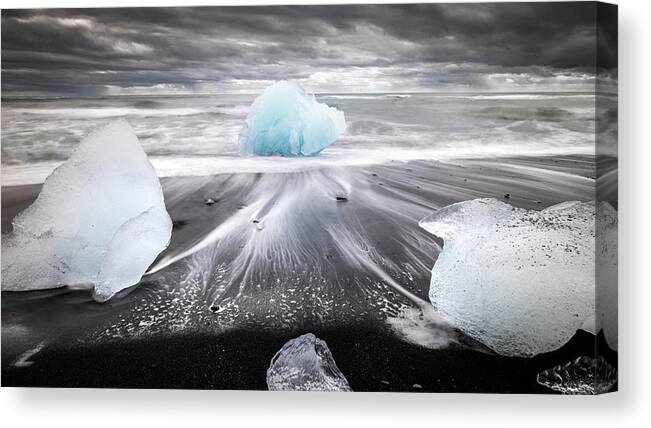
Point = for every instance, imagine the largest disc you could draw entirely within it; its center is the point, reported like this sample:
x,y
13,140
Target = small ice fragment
x,y
98,222
286,121
305,364
521,282
585,375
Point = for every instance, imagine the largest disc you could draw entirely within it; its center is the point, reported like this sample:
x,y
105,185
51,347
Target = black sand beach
x,y
371,359
220,301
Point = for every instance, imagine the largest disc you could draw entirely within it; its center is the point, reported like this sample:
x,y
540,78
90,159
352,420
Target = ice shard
x,y
286,121
98,222
521,282
584,375
305,364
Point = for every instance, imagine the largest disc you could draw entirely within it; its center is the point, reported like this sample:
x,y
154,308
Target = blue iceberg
x,y
286,121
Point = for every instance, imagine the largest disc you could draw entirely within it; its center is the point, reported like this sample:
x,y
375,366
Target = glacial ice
x,y
98,222
584,375
305,364
521,282
286,121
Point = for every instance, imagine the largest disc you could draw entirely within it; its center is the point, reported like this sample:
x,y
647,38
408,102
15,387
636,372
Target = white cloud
x,y
131,48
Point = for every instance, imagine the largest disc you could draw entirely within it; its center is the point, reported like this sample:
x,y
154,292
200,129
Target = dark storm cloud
x,y
423,46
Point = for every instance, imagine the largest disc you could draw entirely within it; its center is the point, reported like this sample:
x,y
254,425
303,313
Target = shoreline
x,y
202,166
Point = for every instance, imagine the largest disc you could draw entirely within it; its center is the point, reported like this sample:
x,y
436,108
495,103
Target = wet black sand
x,y
371,356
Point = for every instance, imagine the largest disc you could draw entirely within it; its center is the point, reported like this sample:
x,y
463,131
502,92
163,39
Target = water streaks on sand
x,y
279,251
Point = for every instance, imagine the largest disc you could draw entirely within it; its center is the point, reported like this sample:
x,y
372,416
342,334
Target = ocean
x,y
198,135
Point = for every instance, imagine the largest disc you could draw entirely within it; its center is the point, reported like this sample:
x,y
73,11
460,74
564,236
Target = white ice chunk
x,y
521,282
286,121
585,375
99,220
305,364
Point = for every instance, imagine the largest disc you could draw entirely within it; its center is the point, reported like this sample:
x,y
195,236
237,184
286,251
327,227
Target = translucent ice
x,y
305,364
584,375
99,220
521,282
286,121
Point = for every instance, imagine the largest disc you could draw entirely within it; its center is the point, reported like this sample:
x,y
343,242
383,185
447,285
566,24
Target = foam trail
x,y
23,359
424,326
222,231
323,246
353,251
289,221
287,210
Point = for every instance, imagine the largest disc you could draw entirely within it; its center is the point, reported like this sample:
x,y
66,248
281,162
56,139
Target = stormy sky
x,y
355,48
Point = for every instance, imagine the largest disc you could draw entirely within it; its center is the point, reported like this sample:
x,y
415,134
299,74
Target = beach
x,y
259,258
266,248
